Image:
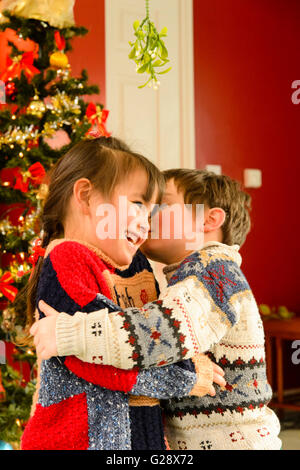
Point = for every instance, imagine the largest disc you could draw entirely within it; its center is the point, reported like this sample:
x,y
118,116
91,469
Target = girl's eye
x,y
139,203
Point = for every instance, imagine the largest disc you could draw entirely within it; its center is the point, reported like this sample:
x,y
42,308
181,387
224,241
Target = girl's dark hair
x,y
105,162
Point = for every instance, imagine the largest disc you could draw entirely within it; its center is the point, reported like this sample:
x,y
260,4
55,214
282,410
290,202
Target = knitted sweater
x,y
237,417
72,401
207,306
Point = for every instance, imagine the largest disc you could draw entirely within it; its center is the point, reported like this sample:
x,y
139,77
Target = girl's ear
x,y
82,192
214,219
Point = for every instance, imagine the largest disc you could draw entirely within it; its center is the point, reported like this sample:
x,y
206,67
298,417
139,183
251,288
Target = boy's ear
x,y
214,219
81,192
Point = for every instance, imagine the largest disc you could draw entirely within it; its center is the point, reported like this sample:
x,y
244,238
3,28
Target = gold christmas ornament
x,y
59,59
58,13
36,107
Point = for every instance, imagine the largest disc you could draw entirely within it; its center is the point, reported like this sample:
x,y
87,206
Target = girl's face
x,y
119,226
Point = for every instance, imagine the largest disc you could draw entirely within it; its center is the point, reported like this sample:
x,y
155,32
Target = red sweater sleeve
x,y
71,278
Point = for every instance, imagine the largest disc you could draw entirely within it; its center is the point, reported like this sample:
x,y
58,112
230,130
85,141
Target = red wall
x,y
89,51
247,54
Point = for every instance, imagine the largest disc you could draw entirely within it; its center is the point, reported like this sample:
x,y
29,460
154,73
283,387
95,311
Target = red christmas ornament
x,y
10,89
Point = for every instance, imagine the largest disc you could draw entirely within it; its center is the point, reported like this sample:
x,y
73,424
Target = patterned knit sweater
x,y
207,306
237,417
74,410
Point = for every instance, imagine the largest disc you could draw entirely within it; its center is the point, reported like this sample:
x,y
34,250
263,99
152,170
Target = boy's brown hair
x,y
203,187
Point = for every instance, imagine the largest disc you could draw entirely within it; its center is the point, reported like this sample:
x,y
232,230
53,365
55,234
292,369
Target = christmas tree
x,y
42,114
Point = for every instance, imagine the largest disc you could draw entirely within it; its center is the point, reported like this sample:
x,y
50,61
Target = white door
x,y
159,124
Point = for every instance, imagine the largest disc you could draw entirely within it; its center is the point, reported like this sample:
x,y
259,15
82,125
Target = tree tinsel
x,y
43,103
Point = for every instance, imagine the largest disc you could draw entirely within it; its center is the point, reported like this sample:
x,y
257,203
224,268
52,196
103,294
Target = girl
x,y
81,271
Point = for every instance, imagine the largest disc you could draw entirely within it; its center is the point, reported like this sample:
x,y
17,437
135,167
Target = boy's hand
x,y
44,332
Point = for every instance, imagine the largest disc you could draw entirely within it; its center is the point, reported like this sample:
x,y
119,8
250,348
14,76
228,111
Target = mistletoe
x,y
148,50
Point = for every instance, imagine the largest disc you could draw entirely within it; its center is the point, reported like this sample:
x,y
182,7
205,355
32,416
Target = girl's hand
x,y
44,332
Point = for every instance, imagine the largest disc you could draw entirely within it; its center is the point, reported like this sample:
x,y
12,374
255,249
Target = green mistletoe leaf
x,y
136,24
149,51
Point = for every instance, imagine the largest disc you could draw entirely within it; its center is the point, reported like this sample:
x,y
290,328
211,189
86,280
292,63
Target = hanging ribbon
x,y
59,41
18,64
98,118
9,291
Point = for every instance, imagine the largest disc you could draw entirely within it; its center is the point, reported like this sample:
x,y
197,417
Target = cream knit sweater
x,y
237,417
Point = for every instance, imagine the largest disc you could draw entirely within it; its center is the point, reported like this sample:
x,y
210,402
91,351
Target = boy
x,y
207,307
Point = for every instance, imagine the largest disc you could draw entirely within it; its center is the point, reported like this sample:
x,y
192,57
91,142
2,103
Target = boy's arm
x,y
55,284
194,312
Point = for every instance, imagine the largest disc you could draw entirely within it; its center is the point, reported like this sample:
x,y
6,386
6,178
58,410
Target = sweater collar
x,y
214,248
93,248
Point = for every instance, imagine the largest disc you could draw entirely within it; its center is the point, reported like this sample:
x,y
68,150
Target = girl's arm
x,y
177,380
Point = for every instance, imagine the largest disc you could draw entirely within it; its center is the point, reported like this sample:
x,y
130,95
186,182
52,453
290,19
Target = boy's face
x,y
169,236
